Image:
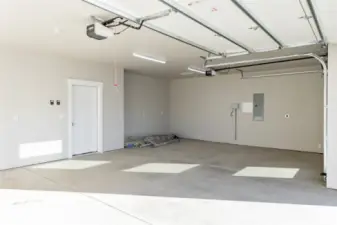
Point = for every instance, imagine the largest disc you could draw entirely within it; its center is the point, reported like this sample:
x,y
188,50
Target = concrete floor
x,y
93,189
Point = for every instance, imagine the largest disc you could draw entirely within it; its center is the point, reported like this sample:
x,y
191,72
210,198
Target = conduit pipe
x,y
325,89
325,94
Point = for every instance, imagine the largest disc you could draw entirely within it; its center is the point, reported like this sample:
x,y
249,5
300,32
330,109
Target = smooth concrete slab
x,y
21,207
205,194
182,211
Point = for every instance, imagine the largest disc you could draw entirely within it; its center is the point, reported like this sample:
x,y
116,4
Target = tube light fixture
x,y
149,58
196,70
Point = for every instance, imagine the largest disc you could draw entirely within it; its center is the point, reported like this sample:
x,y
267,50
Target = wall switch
x,y
319,146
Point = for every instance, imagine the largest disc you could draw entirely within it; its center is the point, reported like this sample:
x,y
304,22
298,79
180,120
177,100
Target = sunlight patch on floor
x,y
162,168
71,165
268,172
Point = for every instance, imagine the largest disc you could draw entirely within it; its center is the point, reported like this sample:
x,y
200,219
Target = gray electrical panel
x,y
258,107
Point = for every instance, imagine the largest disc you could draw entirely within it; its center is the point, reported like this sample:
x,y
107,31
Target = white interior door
x,y
85,119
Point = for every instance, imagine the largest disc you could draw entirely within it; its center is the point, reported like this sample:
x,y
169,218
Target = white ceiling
x,y
59,26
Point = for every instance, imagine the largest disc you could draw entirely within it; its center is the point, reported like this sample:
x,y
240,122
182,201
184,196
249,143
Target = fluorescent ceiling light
x,y
149,58
196,70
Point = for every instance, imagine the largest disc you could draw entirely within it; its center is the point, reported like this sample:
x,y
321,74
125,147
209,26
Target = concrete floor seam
x,y
90,197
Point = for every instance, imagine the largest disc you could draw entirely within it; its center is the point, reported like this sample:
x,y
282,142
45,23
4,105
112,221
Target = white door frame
x,y
99,86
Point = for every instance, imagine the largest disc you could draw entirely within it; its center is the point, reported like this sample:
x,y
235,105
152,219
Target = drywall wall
x,y
200,109
332,118
27,82
146,105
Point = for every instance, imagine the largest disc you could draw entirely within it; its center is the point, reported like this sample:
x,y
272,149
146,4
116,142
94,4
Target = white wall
x,y
146,105
28,81
201,107
332,118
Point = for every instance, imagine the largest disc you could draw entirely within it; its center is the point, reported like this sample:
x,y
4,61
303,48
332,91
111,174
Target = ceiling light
x,y
149,58
196,70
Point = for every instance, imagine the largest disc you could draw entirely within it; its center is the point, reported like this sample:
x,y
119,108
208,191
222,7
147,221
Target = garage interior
x,y
243,91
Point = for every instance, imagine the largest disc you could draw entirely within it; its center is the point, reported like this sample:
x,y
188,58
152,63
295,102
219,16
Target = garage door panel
x,y
136,8
326,12
229,19
184,27
283,18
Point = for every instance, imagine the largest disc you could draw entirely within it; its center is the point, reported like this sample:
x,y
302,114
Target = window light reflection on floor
x,y
71,165
162,168
267,172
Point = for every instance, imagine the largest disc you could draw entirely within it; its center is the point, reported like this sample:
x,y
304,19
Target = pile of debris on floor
x,y
151,141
